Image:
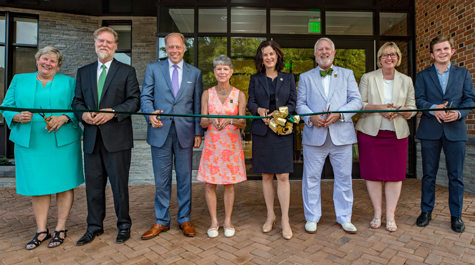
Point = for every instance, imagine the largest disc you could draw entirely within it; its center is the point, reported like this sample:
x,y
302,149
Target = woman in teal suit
x,y
47,155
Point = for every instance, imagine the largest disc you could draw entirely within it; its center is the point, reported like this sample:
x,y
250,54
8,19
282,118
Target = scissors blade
x,y
42,114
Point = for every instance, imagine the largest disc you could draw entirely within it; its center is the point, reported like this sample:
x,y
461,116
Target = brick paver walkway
x,y
435,244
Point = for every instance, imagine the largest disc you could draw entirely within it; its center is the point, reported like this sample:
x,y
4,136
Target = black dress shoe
x,y
457,224
123,235
424,219
89,236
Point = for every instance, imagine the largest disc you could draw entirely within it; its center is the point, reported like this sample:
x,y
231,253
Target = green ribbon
x,y
217,116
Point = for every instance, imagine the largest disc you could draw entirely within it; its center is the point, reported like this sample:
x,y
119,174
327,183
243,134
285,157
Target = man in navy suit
x,y
172,86
438,87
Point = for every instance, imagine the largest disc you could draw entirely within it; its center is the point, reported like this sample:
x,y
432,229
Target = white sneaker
x,y
213,232
349,228
311,227
229,232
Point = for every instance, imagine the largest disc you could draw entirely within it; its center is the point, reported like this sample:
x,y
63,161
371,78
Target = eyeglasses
x,y
393,55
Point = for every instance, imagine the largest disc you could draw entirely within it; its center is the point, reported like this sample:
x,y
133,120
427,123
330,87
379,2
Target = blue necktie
x,y
175,84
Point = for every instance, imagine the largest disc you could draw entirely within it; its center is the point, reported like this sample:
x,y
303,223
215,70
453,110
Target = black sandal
x,y
36,242
57,239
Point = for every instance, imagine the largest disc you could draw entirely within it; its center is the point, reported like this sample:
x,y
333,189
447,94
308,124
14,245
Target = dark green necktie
x,y
327,72
100,84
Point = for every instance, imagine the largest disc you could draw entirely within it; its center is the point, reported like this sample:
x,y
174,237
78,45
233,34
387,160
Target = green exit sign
x,y
314,27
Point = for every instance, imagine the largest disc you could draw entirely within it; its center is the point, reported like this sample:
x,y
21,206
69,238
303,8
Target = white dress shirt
x,y
179,68
325,81
388,98
99,68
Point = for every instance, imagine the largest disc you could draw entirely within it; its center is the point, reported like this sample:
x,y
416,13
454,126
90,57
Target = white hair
x,y
327,39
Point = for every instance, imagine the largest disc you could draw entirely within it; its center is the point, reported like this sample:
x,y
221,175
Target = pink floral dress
x,y
222,160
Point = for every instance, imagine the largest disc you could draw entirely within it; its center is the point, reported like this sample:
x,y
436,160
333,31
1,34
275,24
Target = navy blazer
x,y
259,97
428,92
121,93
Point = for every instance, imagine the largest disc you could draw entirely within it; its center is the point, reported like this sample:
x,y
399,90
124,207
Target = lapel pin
x,y
187,71
281,79
231,101
336,75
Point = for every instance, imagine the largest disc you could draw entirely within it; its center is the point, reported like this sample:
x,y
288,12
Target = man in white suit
x,y
328,87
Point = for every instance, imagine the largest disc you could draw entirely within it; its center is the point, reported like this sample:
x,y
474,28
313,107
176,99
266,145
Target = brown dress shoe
x,y
154,231
188,229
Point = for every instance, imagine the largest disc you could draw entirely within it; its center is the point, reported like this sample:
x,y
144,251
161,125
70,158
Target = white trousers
x,y
341,161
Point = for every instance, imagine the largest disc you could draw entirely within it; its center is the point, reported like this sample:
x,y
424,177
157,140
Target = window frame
x,y
108,23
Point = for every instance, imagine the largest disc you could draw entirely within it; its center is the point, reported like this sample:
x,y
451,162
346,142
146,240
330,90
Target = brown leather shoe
x,y
188,229
154,231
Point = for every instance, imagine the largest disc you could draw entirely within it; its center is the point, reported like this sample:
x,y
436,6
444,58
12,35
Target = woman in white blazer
x,y
383,136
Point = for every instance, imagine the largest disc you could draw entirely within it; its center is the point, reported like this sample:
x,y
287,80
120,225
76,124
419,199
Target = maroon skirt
x,y
382,157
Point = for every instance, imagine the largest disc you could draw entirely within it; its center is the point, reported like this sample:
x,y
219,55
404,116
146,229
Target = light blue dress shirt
x,y
443,80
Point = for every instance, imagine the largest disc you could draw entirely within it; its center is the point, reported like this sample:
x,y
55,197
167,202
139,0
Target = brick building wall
x,y
451,17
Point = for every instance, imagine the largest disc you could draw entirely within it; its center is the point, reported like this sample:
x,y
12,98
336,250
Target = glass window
x,y
349,23
208,49
2,28
213,20
2,77
295,21
24,60
248,20
298,61
26,31
393,24
123,53
125,36
124,57
177,19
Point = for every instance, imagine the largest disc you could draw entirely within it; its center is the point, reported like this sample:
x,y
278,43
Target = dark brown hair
x,y
439,39
258,60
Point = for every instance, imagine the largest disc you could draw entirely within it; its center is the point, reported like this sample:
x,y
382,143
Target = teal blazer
x,y
21,94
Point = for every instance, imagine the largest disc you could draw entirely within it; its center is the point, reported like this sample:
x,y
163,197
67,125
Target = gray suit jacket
x,y
343,95
157,94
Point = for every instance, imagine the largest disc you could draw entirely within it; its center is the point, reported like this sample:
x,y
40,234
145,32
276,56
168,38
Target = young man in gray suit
x,y
328,87
172,86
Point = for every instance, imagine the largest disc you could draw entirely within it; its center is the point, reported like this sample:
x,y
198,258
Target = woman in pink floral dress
x,y
222,160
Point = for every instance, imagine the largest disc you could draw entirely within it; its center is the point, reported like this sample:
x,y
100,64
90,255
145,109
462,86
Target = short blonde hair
x,y
387,45
50,50
106,29
177,35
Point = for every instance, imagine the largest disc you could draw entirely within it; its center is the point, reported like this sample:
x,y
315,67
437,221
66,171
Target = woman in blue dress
x,y
47,156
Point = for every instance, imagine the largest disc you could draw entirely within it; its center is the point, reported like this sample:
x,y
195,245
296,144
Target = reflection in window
x,y
2,28
24,60
213,20
208,49
243,51
295,22
248,20
26,30
298,61
349,23
393,24
177,19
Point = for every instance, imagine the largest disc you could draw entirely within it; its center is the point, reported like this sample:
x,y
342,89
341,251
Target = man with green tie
x,y
108,85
